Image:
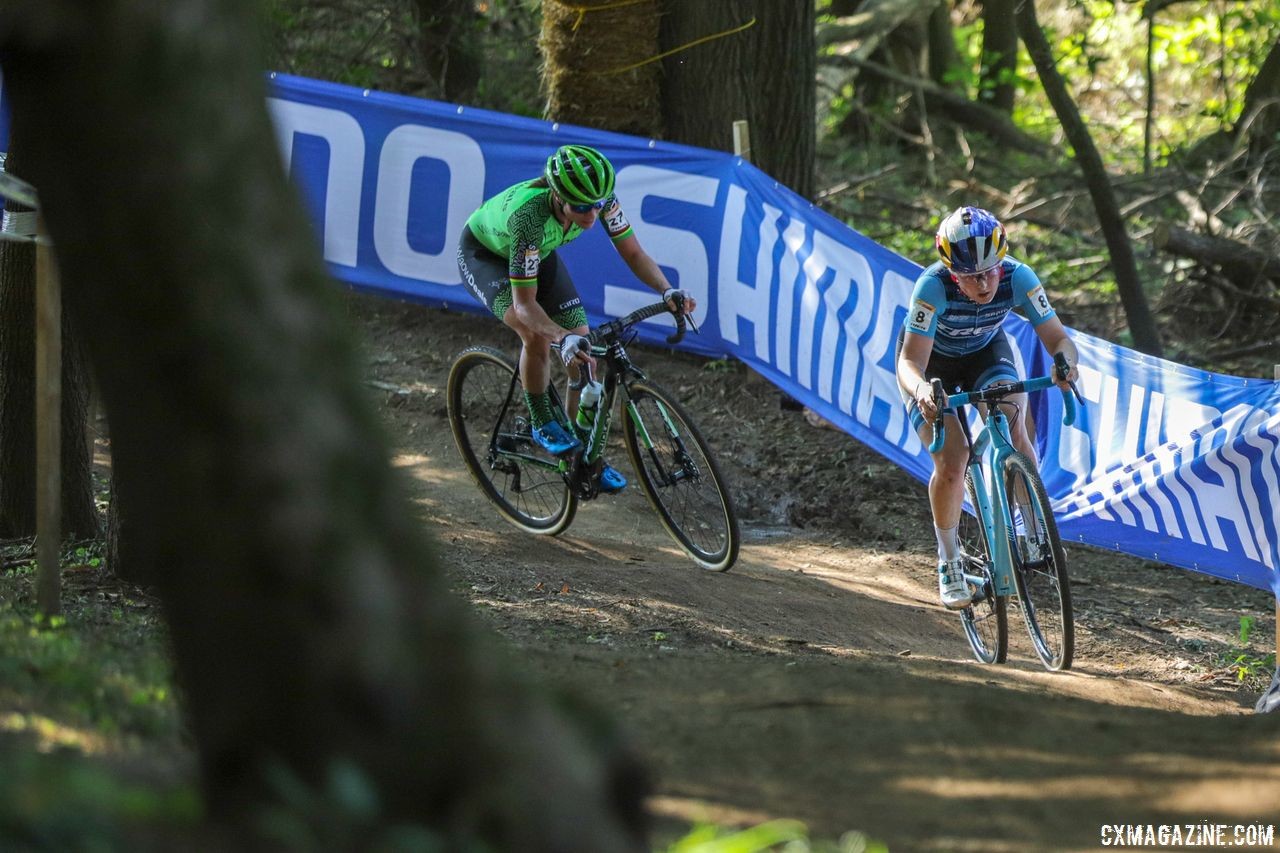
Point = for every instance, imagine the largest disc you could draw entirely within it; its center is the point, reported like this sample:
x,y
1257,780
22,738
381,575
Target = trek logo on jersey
x,y
1040,302
921,318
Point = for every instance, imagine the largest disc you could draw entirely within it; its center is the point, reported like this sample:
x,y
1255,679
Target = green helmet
x,y
580,174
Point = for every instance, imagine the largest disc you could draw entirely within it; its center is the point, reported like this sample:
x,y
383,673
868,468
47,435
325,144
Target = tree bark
x,y
999,55
17,399
599,66
1137,312
764,74
311,626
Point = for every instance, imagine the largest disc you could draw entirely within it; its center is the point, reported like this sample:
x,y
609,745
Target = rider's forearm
x,y
647,270
1068,348
910,376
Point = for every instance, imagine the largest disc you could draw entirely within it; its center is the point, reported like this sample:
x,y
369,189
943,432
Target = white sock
x,y
948,542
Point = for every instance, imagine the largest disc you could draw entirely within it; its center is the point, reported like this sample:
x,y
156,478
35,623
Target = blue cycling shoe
x,y
555,439
611,480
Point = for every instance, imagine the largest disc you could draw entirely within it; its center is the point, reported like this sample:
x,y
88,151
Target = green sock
x,y
540,413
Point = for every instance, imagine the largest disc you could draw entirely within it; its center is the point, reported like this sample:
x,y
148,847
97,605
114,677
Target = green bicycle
x,y
1011,543
540,493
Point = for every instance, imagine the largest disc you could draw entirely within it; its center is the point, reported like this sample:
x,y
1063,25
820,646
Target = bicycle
x,y
540,493
1010,544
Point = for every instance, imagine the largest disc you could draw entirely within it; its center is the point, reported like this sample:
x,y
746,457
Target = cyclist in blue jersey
x,y
953,332
506,255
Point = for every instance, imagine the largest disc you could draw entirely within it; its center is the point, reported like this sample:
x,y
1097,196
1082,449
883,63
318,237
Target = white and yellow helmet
x,y
971,240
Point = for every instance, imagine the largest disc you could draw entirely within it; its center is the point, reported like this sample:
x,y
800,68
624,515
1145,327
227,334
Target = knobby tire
x,y
681,478
1040,571
532,496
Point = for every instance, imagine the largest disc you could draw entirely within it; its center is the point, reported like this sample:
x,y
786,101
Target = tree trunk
x,y
18,396
312,629
999,55
1260,115
942,57
763,74
1137,312
448,40
598,67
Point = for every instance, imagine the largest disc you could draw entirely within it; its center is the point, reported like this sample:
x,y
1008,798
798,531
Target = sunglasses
x,y
586,208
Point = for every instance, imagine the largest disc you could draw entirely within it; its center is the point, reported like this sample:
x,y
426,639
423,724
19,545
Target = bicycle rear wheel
x,y
986,620
680,477
1040,565
490,425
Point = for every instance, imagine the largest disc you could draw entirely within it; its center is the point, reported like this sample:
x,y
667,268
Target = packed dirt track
x,y
819,679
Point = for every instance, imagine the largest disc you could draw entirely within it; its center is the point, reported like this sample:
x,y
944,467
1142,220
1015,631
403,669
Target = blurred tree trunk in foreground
x,y
18,399
1142,326
763,73
316,641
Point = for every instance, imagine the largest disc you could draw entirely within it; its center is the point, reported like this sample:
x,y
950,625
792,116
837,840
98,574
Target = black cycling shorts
x,y
486,276
993,363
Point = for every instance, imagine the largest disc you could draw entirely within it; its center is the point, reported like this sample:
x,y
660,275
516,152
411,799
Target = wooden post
x,y
742,139
48,426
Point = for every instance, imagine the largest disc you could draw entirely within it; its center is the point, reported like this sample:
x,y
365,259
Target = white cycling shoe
x,y
952,586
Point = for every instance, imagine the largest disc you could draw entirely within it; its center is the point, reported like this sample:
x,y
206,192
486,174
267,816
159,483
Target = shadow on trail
x,y
917,758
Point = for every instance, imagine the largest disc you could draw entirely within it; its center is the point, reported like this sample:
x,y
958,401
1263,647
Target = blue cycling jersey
x,y
958,325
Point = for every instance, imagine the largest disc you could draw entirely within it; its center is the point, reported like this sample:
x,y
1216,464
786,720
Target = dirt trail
x,y
819,679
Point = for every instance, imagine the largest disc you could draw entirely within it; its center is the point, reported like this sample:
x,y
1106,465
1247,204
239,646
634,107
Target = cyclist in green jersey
x,y
507,258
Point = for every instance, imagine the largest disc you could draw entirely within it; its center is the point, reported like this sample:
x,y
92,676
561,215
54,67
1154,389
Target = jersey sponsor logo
x,y
921,317
575,301
1040,302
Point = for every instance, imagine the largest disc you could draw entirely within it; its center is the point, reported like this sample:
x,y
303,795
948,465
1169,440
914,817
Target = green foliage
x,y
783,836
62,801
78,691
378,46
1251,670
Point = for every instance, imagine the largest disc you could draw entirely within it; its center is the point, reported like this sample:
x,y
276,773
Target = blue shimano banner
x,y
1165,462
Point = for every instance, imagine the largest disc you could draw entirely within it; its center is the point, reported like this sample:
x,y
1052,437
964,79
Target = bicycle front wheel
x,y
986,620
1040,565
491,428
680,477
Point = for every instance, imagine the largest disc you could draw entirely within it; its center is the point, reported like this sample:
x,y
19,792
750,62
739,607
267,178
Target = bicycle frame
x,y
605,344
993,445
991,493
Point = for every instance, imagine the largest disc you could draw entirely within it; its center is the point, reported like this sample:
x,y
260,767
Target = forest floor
x,y
820,679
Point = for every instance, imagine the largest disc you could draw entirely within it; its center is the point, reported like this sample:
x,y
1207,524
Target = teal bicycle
x,y
1010,543
540,493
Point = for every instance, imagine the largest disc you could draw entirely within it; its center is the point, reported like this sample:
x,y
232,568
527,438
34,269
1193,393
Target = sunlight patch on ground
x,y
887,581
1156,784
427,469
1254,798
693,810
49,734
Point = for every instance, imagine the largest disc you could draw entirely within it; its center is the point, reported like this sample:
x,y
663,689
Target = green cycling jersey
x,y
519,224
